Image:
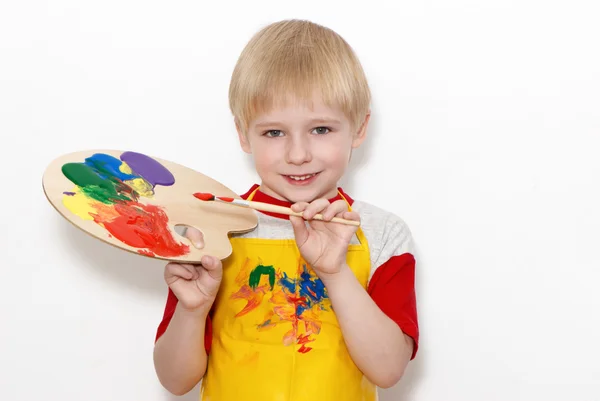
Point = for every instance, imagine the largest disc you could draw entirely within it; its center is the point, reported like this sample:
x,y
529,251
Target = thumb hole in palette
x,y
187,232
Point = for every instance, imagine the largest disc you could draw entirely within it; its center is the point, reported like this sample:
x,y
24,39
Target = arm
x,y
376,343
368,320
179,354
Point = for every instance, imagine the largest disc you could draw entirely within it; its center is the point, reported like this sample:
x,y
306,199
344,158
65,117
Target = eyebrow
x,y
266,124
325,121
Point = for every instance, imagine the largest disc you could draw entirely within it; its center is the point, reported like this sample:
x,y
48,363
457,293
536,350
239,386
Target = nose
x,y
298,150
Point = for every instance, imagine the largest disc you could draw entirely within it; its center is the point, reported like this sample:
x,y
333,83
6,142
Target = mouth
x,y
301,179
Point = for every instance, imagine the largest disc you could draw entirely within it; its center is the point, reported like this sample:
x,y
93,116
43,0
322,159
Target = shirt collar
x,y
262,197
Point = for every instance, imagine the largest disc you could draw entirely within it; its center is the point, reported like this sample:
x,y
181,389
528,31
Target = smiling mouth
x,y
301,177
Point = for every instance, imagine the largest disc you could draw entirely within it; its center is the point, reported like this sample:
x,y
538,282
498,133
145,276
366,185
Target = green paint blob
x,y
101,189
258,272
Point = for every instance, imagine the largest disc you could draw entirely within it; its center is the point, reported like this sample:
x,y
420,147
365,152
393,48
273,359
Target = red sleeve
x,y
168,314
392,287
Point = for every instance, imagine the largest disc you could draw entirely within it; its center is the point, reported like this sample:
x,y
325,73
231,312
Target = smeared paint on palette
x,y
134,201
108,191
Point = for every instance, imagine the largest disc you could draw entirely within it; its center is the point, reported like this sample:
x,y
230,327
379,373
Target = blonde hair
x,y
294,60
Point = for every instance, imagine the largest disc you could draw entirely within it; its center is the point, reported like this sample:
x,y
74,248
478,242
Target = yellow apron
x,y
275,336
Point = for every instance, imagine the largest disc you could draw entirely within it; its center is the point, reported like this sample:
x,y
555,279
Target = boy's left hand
x,y
323,244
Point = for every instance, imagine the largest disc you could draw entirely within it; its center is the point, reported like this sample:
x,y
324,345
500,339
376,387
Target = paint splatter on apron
x,y
275,336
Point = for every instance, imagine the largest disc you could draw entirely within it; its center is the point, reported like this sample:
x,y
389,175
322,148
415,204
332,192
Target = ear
x,y
244,143
361,134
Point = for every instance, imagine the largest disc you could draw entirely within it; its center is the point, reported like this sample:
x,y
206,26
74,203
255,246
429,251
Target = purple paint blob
x,y
152,171
69,193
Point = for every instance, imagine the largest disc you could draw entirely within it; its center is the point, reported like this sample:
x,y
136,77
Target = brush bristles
x,y
204,196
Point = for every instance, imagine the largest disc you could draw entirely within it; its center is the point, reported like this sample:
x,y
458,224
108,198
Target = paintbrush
x,y
267,207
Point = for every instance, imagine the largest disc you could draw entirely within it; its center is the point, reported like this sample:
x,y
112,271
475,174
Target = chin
x,y
298,192
300,198
307,195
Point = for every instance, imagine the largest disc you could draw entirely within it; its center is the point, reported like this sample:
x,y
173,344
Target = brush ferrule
x,y
233,201
240,202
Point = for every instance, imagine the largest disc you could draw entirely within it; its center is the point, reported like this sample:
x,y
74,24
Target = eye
x,y
321,130
273,133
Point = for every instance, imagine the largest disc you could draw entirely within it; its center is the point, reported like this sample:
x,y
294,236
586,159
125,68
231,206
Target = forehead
x,y
292,110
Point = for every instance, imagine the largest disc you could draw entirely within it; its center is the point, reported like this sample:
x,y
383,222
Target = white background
x,y
485,140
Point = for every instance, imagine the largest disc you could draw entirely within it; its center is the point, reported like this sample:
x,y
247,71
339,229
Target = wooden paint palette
x,y
134,202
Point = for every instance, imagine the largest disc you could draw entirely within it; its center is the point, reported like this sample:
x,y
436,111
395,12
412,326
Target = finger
x,y
195,236
315,207
300,229
337,208
299,207
192,269
350,216
193,273
213,266
174,271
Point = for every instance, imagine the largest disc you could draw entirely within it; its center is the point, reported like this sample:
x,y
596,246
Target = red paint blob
x,y
225,199
142,226
204,196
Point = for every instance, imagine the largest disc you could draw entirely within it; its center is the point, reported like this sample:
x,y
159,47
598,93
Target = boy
x,y
302,309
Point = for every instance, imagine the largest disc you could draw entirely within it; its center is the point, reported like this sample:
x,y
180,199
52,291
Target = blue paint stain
x,y
300,309
288,283
107,166
265,323
312,290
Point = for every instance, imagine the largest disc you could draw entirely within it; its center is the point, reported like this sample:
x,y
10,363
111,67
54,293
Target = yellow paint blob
x,y
124,168
87,208
79,204
141,186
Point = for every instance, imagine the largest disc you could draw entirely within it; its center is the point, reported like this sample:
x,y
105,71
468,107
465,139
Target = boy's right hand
x,y
195,286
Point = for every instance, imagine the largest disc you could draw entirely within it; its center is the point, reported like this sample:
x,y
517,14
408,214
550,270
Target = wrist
x,y
200,312
332,278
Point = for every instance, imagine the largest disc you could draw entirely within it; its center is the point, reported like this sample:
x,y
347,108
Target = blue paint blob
x,y
107,167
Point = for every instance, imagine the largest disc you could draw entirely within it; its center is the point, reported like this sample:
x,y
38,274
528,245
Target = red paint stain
x,y
225,199
204,196
141,226
302,340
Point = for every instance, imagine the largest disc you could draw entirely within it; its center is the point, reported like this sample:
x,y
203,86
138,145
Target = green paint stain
x,y
258,272
101,189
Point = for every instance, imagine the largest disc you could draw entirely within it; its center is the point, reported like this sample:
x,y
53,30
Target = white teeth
x,y
301,177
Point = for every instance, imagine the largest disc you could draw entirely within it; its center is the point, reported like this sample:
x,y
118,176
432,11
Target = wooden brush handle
x,y
267,207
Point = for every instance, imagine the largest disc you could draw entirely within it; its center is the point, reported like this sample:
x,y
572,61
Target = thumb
x,y
195,236
213,266
300,229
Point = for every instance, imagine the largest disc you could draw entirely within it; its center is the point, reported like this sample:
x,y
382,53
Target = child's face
x,y
301,152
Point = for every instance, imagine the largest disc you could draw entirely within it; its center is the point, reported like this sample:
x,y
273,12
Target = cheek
x,y
263,158
341,160
337,154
